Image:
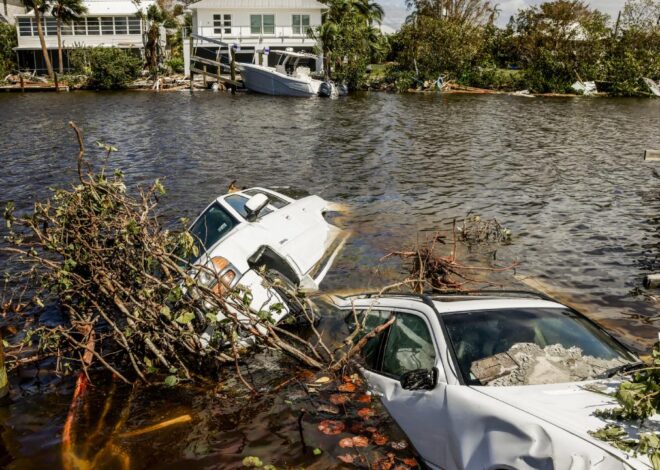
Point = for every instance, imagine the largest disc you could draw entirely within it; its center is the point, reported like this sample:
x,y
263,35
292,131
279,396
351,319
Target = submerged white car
x,y
493,381
240,232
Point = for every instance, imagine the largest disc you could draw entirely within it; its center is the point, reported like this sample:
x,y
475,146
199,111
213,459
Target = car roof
x,y
491,303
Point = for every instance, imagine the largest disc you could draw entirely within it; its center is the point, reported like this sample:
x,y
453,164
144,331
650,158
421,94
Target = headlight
x,y
219,277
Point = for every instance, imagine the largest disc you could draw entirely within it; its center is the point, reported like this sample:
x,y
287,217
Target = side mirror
x,y
420,379
255,204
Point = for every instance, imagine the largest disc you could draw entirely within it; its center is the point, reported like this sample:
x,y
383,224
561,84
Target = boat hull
x,y
262,80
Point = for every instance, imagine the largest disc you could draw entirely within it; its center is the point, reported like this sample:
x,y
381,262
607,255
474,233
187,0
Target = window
x,y
80,27
262,24
221,24
211,227
371,350
120,25
409,346
67,29
93,26
25,26
300,24
107,25
273,200
134,25
480,337
51,26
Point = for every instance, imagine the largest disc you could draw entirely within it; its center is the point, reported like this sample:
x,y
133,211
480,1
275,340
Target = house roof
x,y
256,4
110,7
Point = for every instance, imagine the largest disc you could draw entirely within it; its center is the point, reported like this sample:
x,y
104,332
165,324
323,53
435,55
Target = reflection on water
x,y
566,175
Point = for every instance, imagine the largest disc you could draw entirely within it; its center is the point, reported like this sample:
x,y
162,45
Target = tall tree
x,y
66,11
40,7
463,11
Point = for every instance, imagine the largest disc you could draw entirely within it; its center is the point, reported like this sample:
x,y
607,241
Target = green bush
x,y
107,67
7,55
176,64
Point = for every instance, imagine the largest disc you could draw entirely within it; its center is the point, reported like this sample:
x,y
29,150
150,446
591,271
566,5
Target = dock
x,y
33,88
225,73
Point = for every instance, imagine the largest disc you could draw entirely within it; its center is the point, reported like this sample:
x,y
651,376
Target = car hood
x,y
569,406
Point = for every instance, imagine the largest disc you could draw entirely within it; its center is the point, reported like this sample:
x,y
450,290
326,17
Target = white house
x,y
255,27
9,9
108,23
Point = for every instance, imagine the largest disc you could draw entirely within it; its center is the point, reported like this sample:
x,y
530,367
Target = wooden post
x,y
204,76
652,155
232,64
4,382
652,281
190,61
22,83
57,85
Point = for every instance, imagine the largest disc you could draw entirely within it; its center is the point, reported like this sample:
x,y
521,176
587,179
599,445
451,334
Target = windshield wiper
x,y
609,373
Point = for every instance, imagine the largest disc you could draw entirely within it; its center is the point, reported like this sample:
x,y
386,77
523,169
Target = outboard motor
x,y
325,90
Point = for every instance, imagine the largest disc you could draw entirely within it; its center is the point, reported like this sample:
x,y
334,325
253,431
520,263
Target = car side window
x,y
409,346
371,350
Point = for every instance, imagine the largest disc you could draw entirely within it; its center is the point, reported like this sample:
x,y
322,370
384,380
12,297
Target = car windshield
x,y
531,346
211,226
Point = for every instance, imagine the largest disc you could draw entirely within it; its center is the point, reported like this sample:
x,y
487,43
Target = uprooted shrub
x,y
131,301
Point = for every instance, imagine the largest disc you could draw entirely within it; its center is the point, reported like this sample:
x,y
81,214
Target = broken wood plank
x,y
652,155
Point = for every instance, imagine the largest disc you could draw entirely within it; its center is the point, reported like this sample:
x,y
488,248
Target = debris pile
x,y
529,364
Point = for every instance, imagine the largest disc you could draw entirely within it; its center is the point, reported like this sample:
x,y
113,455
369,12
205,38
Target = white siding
x,y
283,34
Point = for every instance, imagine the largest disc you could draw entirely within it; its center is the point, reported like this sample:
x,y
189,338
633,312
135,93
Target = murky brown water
x,y
565,175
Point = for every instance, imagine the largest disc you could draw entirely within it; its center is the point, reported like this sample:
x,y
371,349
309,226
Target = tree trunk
x,y
59,45
40,29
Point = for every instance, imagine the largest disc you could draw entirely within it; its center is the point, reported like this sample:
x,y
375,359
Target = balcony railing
x,y
246,32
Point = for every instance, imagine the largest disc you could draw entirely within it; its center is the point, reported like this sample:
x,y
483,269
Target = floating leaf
x,y
379,439
398,445
347,458
325,408
322,380
338,399
346,442
317,451
331,427
347,387
365,413
360,441
363,399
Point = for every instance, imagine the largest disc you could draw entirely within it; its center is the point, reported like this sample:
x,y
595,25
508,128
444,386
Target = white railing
x,y
246,32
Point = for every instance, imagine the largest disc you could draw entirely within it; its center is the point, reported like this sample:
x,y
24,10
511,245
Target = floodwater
x,y
564,174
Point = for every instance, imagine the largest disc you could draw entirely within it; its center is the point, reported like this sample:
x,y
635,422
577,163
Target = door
x,y
409,345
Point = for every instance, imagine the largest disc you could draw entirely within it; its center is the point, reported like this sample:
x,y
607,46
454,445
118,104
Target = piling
x,y
652,281
190,40
204,76
22,83
233,69
57,84
4,383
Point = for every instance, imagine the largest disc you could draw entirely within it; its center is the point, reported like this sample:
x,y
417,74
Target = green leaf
x,y
165,311
317,451
252,461
171,380
185,317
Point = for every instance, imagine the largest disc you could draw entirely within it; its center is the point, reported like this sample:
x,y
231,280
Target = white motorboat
x,y
290,77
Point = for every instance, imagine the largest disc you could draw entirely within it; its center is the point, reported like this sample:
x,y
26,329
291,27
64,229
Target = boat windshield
x,y
531,346
211,226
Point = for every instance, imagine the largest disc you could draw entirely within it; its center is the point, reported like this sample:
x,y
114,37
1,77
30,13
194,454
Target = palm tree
x,y
40,7
66,11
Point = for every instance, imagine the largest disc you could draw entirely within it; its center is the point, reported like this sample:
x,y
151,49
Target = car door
x,y
409,344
